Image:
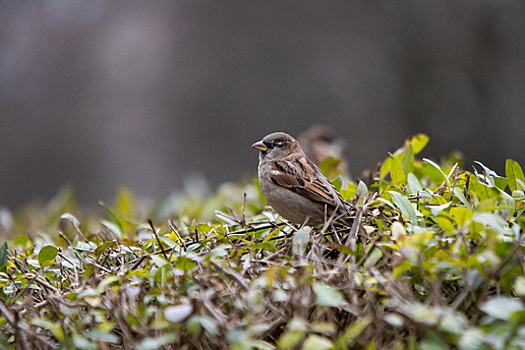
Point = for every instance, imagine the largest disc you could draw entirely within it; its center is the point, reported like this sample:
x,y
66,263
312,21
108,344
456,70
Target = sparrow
x,y
321,142
294,186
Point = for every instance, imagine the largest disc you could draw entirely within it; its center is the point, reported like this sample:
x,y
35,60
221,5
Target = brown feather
x,y
296,179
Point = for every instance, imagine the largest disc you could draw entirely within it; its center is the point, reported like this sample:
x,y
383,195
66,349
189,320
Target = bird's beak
x,y
259,145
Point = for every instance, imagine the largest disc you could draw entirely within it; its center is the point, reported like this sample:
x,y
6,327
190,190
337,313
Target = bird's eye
x,y
276,144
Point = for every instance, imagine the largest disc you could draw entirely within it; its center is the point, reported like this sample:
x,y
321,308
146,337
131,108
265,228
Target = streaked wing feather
x,y
299,180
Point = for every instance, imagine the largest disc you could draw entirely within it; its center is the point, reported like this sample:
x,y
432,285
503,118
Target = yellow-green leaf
x,y
404,205
316,342
53,327
385,168
396,171
338,183
514,173
418,142
445,224
461,215
413,184
428,161
327,295
408,160
3,257
300,240
47,253
361,193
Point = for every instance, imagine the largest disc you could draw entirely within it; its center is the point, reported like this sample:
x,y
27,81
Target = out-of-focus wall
x,y
100,94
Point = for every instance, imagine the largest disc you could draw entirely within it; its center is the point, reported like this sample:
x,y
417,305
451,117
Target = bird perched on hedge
x,y
293,185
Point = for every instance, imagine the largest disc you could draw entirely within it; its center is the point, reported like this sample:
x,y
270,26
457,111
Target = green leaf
x,y
237,336
316,342
115,218
350,191
385,168
124,205
155,343
353,331
324,327
461,215
432,342
290,339
329,167
413,184
495,221
65,345
394,320
361,193
489,174
459,194
492,178
519,286
404,205
224,217
82,342
338,183
3,257
169,242
513,172
260,245
397,173
408,161
437,167
160,261
103,285
506,201
300,240
481,190
102,248
502,307
445,224
209,325
418,142
435,210
103,335
401,268
272,234
112,227
184,263
500,182
178,313
472,339
71,218
193,325
53,327
48,252
327,295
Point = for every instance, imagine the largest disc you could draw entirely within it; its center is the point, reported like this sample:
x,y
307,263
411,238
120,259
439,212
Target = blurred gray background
x,y
98,94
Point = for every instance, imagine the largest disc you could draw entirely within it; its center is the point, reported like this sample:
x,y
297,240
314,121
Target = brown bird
x,y
321,142
293,185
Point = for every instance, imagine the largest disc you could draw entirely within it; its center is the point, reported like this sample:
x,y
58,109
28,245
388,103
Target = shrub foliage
x,y
434,260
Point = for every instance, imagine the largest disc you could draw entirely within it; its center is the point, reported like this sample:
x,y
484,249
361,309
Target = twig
x,y
172,227
158,240
368,251
64,237
352,236
19,334
243,221
231,274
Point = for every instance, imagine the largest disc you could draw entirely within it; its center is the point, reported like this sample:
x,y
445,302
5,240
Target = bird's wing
x,y
304,178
